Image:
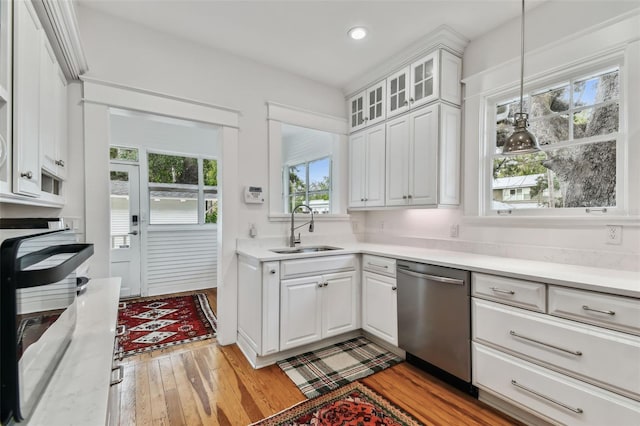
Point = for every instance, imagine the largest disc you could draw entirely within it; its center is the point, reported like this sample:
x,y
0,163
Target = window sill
x,y
552,222
282,217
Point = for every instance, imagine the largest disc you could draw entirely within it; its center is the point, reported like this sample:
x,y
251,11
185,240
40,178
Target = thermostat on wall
x,y
253,195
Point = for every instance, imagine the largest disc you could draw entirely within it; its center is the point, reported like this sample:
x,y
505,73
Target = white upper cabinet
x,y
28,45
367,167
6,42
367,107
436,76
423,157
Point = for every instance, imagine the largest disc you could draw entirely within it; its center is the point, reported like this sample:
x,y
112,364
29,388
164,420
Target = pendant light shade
x,y
521,141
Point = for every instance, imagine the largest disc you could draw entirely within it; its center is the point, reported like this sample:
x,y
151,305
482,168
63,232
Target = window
x,y
576,122
123,154
310,183
182,190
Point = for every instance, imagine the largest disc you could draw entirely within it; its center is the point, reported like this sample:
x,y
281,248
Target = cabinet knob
x,y
404,197
28,175
320,285
394,288
60,163
411,100
361,199
326,283
272,272
366,119
409,196
406,103
366,199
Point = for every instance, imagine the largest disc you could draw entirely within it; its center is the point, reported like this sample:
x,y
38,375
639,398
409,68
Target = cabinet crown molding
x,y
442,37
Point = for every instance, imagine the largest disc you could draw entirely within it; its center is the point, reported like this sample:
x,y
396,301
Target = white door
x,y
376,97
357,110
375,167
357,150
300,311
424,80
397,162
339,304
125,227
398,92
380,306
423,158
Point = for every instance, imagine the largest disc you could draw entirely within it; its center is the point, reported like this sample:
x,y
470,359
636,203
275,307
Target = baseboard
x,y
178,288
386,345
517,412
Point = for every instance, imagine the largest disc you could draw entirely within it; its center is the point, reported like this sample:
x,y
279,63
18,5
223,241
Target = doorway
x,y
124,184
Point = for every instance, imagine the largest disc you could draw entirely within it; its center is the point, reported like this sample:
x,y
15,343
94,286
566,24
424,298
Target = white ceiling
x,y
307,37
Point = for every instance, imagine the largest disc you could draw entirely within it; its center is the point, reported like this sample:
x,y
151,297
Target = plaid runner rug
x,y
318,372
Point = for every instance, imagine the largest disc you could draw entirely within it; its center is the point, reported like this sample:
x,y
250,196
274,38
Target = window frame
x,y
200,187
540,84
285,178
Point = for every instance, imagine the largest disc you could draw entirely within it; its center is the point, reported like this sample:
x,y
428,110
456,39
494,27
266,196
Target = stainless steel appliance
x,y
38,315
434,319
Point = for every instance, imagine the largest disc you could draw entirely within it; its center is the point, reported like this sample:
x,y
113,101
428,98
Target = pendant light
x,y
521,141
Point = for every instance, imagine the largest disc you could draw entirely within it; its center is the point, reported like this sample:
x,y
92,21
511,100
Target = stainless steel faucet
x,y
292,238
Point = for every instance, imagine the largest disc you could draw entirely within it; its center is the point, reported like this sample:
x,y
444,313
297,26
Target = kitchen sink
x,y
309,249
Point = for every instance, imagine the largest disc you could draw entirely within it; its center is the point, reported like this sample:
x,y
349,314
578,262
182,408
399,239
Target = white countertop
x,y
78,393
624,283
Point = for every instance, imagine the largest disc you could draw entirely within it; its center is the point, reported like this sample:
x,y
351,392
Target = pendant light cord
x,y
522,61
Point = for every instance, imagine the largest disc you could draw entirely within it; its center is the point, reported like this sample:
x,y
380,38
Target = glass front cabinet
x,y
368,107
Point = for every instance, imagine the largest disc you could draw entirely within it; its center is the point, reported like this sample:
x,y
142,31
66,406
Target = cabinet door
x,y
398,92
357,173
397,186
249,302
62,135
424,80
49,108
375,166
340,294
423,156
380,306
300,311
376,97
450,76
357,110
270,308
6,43
26,101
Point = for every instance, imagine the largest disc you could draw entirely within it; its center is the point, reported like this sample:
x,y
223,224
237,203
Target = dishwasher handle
x,y
439,279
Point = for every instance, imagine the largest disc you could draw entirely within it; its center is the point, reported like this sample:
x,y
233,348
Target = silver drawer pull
x,y
569,351
378,266
121,330
586,308
499,290
120,378
518,385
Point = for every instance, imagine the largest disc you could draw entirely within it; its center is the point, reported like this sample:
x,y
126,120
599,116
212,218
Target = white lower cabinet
x,y
555,396
380,306
562,370
317,307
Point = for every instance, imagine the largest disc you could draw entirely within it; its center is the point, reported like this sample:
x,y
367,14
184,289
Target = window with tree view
x,y
182,190
310,184
576,122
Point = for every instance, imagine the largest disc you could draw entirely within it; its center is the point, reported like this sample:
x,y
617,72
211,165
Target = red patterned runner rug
x,y
160,323
353,404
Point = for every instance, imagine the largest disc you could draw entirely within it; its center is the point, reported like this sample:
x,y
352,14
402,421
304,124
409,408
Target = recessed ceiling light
x,y
357,33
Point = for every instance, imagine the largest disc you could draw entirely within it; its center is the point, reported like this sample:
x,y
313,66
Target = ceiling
x,y
309,38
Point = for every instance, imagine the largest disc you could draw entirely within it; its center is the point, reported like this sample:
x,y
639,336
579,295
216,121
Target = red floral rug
x,y
160,323
353,404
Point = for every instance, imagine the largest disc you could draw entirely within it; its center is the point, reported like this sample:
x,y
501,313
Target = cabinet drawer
x,y
558,397
317,265
525,294
602,357
615,312
379,265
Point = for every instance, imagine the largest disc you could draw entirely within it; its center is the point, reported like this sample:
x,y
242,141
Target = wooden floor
x,y
203,383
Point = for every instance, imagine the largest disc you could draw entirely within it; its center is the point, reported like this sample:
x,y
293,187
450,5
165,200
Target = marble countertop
x,y
78,393
620,282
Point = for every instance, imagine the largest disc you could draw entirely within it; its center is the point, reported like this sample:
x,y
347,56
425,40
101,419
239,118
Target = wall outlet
x,y
382,226
614,234
354,226
454,231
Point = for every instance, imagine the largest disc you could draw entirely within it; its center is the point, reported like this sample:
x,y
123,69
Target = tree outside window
x,y
576,123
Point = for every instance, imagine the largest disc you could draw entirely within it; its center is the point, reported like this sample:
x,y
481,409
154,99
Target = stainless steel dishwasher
x,y
434,318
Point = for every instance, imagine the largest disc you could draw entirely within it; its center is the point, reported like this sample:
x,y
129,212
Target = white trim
x,y
306,118
565,222
283,217
147,101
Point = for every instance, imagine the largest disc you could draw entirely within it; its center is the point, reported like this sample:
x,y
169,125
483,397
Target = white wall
x,y
492,62
125,53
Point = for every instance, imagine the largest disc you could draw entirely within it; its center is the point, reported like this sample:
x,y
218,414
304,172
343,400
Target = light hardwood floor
x,y
204,383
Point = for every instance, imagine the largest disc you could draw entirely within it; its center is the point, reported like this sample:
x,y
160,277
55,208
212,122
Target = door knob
x,y
133,233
